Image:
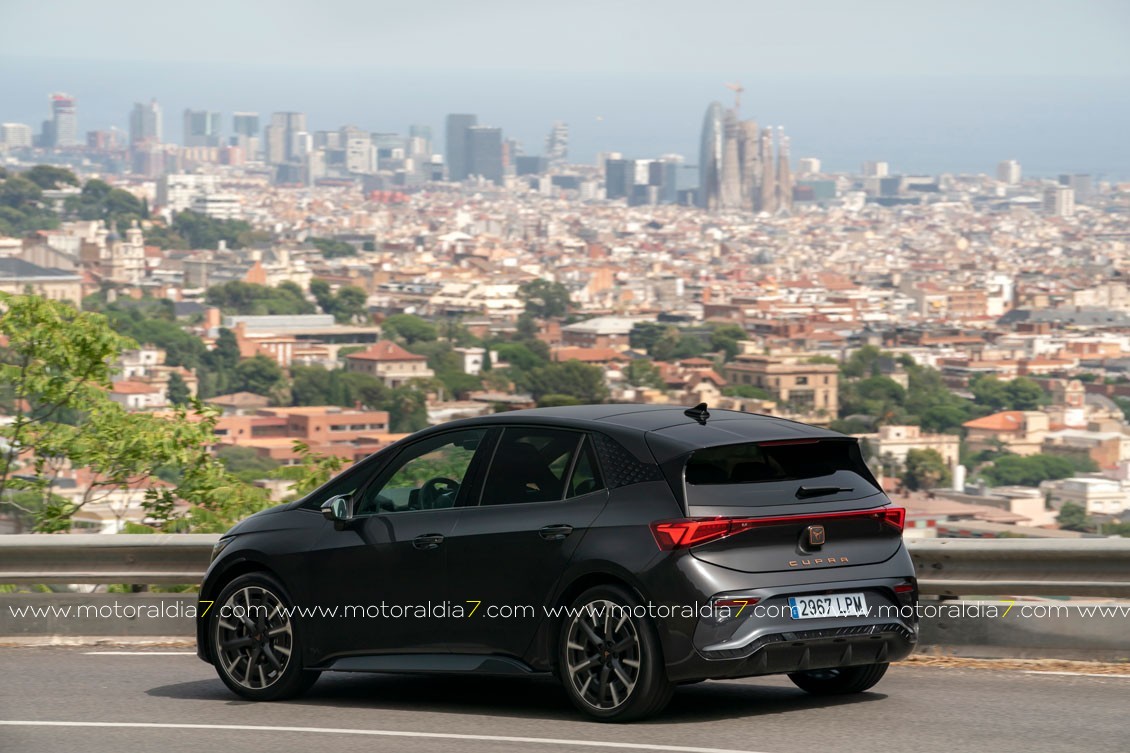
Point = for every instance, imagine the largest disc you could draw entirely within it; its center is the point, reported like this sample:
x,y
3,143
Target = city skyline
x,y
840,146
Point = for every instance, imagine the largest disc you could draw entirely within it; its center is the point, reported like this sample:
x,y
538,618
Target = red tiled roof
x,y
1009,420
133,388
385,350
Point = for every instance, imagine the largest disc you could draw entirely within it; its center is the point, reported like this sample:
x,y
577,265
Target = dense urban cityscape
x,y
323,293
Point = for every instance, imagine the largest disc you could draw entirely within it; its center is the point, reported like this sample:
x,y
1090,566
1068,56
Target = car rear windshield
x,y
778,472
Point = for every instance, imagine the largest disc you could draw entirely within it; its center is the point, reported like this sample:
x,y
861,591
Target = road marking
x,y
384,733
140,653
1073,674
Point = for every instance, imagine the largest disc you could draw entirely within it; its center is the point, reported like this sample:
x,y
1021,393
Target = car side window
x,y
427,475
530,464
586,475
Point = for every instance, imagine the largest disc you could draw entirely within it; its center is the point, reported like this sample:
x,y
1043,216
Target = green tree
x,y
49,177
1025,394
725,338
580,380
55,359
55,366
409,329
332,249
643,373
557,401
520,355
350,305
245,463
1018,394
544,299
407,410
862,363
249,299
1031,470
925,469
748,391
347,305
258,374
178,393
313,470
1073,517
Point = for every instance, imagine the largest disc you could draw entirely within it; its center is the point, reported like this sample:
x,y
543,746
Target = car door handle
x,y
427,541
555,533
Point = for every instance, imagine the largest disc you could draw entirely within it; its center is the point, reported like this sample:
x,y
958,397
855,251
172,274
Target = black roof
x,y
667,430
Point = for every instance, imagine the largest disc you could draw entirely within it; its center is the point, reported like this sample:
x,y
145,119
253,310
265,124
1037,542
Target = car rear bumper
x,y
824,648
765,638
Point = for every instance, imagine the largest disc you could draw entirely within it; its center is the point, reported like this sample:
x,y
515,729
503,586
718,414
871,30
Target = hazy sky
x,y
784,36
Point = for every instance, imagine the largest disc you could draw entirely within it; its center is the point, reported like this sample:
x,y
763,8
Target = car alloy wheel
x,y
254,641
603,653
609,658
254,638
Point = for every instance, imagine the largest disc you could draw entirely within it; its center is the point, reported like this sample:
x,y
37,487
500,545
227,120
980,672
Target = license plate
x,y
833,605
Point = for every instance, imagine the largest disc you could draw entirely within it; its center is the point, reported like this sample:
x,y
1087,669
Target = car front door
x,y
539,496
386,571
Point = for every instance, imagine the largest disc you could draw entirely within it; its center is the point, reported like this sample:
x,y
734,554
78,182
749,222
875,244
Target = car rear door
x,y
540,495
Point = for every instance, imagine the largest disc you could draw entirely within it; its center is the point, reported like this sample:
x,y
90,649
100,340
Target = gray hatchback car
x,y
625,549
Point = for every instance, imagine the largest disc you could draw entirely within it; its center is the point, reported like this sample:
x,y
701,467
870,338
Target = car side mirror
x,y
339,509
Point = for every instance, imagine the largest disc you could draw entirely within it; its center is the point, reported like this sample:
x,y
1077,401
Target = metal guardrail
x,y
1022,567
945,567
103,558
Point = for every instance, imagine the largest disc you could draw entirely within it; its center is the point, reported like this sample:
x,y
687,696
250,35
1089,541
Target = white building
x,y
1098,496
177,192
1059,201
1008,172
15,135
219,206
808,166
876,169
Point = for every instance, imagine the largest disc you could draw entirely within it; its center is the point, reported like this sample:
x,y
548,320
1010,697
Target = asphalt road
x,y
60,697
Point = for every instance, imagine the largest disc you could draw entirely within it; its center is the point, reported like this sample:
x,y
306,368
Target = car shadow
x,y
537,698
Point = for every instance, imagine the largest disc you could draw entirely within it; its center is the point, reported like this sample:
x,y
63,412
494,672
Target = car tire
x,y
254,643
612,669
841,680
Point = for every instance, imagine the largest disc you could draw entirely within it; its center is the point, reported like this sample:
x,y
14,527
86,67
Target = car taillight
x,y
688,532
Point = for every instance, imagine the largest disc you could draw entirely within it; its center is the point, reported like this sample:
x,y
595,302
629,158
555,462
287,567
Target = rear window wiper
x,y
805,492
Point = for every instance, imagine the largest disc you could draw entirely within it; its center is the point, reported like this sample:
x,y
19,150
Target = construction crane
x,y
737,89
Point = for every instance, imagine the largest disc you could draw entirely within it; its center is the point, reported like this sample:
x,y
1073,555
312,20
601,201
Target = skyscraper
x,y
420,139
1080,183
455,144
484,153
245,124
557,144
730,188
64,121
201,128
766,199
281,139
710,158
145,123
619,178
1059,201
737,168
1008,172
784,182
